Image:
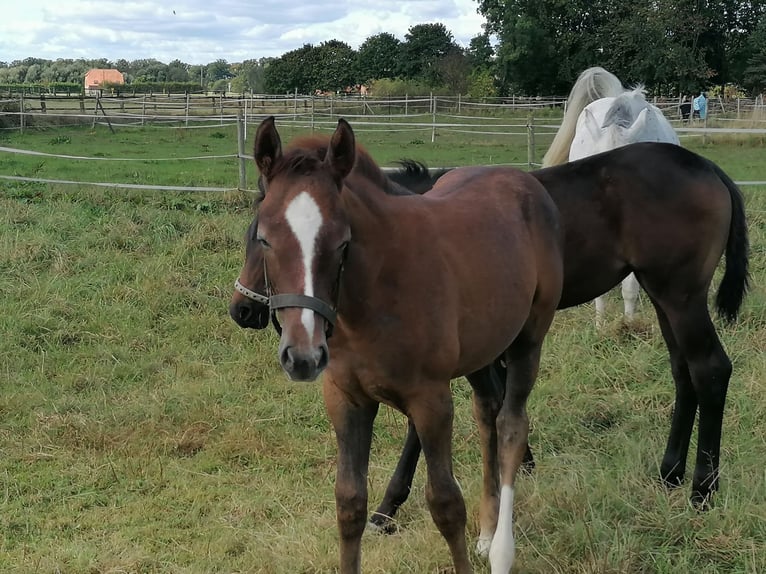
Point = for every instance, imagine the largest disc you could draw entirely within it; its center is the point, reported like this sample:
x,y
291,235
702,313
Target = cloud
x,y
200,31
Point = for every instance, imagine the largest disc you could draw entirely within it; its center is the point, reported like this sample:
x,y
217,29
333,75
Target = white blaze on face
x,y
305,221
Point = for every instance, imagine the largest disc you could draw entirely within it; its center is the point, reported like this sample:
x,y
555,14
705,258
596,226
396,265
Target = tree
x,y
177,71
293,70
673,44
250,75
334,61
480,52
754,74
454,71
424,46
218,70
379,57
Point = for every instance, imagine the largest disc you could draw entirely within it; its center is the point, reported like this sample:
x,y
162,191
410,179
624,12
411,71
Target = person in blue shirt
x,y
700,106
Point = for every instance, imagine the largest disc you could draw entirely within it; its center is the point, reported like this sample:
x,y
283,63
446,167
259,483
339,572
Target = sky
x,y
202,31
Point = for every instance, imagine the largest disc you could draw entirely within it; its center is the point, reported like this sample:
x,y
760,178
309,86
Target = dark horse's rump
x,y
654,209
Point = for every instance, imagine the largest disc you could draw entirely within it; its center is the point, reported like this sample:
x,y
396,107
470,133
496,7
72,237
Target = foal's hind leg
x,y
523,360
630,291
708,368
400,485
488,392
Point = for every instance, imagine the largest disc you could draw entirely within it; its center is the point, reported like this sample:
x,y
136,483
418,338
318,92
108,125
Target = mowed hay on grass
x,y
142,431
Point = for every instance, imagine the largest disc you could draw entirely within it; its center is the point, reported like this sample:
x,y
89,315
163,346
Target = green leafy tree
x,y
293,70
424,46
379,57
454,70
177,71
754,74
480,52
148,70
218,70
250,75
334,66
481,84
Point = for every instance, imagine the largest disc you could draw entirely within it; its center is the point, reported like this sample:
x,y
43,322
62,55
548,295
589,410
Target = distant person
x,y
700,106
685,108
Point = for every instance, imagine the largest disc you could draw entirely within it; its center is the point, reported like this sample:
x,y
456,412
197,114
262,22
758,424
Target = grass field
x,y
141,431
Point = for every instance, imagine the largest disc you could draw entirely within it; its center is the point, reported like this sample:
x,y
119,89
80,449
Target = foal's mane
x,y
305,155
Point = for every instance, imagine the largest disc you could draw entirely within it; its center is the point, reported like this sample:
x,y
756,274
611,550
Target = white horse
x,y
602,115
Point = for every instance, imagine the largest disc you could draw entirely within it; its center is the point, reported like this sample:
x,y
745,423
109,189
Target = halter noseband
x,y
252,295
285,300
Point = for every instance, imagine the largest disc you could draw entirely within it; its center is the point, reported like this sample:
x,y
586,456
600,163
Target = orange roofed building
x,y
96,78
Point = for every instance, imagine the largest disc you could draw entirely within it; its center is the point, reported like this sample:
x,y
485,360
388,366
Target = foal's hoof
x,y
381,524
482,546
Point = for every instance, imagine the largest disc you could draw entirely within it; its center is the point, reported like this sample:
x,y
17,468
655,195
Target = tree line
x,y
528,47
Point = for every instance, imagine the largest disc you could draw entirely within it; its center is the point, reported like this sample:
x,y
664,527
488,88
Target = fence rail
x,y
524,117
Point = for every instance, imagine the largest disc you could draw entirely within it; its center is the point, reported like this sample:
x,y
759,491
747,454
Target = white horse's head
x,y
613,122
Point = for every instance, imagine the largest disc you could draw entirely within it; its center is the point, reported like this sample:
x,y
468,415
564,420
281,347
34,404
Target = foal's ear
x,y
342,151
268,146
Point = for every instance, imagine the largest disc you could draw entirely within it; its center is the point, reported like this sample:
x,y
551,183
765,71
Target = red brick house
x,y
96,78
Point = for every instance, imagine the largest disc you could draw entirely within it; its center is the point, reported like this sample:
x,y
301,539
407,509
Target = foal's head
x,y
303,231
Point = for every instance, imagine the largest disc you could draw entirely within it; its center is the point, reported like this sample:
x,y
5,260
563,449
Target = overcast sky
x,y
201,31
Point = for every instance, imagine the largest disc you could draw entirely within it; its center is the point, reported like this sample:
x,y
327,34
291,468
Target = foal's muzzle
x,y
251,313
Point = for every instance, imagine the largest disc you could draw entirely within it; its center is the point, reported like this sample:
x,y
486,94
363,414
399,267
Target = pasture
x,y
142,431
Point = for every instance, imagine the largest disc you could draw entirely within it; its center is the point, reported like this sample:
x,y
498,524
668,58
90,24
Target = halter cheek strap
x,y
252,295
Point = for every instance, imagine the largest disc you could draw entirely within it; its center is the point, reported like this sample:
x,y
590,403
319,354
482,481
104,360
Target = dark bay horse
x,y
670,223
392,296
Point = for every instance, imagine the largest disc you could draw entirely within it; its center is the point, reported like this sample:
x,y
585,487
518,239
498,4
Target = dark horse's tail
x,y
736,276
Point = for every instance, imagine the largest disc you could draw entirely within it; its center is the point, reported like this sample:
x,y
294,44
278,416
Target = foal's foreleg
x,y
432,414
353,431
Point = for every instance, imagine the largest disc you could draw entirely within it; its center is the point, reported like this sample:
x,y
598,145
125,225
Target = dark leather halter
x,y
287,300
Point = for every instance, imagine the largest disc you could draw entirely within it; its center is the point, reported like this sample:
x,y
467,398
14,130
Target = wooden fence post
x,y
433,118
242,157
531,141
21,109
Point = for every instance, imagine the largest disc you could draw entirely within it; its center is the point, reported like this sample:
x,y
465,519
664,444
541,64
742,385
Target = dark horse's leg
x,y
400,485
701,371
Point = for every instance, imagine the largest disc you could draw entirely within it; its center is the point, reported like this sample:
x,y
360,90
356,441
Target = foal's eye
x,y
265,244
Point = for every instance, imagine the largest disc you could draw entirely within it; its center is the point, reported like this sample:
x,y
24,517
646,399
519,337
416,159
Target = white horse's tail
x,y
593,84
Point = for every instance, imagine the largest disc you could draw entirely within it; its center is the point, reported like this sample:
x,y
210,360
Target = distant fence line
x,y
23,111
530,129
